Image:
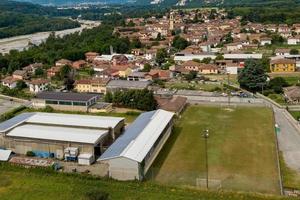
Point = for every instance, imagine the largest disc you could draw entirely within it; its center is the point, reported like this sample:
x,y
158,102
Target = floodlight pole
x,y
206,136
228,82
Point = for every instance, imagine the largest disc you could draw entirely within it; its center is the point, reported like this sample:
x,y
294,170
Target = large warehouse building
x,y
132,154
50,134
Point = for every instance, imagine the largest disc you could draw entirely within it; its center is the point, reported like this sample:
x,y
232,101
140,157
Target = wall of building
x,y
38,103
283,67
153,153
123,169
22,146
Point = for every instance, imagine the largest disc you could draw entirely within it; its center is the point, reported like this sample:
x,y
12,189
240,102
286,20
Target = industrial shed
x,y
50,134
68,101
132,154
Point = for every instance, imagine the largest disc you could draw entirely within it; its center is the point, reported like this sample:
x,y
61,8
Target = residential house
x,y
282,28
137,76
137,52
208,69
191,65
159,74
292,94
293,40
10,82
125,70
53,71
283,65
90,56
282,52
150,54
234,46
79,64
119,60
95,85
38,85
20,75
265,41
63,62
30,69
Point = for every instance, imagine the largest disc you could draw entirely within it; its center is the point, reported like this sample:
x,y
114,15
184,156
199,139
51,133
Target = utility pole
x,y
206,136
228,84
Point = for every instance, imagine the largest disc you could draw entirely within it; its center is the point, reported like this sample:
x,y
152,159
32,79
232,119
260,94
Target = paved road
x,y
288,138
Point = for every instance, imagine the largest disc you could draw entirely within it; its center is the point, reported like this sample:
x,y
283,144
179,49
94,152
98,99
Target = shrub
x,y
48,109
30,154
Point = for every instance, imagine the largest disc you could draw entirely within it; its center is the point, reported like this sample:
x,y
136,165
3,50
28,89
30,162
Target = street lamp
x,y
206,136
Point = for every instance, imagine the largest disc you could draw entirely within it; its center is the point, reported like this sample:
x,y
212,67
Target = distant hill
x,y
72,2
168,2
19,18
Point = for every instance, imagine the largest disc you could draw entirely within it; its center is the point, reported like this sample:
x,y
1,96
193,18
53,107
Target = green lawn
x,y
295,114
241,149
35,184
278,98
291,179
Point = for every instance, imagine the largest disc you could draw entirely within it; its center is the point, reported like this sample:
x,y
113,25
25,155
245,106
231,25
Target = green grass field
x,y
290,178
241,149
17,183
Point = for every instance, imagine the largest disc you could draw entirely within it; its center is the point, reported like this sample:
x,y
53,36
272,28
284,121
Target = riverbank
x,y
24,41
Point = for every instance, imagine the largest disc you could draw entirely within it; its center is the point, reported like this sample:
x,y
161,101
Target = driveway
x,y
288,138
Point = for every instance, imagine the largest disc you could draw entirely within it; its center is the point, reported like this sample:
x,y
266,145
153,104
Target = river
x,y
22,42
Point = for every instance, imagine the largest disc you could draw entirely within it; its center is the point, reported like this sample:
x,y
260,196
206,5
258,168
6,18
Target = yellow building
x,y
283,65
92,85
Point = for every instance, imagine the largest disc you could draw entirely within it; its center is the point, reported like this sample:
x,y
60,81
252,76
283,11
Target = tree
x,y
191,75
253,76
206,60
161,56
108,97
21,85
147,67
179,43
131,23
294,51
136,43
277,39
219,57
64,71
39,72
277,84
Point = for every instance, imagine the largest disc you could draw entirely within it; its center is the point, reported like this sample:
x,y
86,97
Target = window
x,y
51,102
79,104
65,103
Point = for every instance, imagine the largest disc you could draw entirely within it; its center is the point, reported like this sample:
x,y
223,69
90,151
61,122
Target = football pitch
x,y
241,150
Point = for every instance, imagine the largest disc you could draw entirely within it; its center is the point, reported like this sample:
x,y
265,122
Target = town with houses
x,y
85,116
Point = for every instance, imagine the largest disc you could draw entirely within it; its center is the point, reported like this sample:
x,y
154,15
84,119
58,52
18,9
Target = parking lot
x,y
6,105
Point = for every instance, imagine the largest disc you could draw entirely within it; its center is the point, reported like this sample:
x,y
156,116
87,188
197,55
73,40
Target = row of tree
x,y
136,99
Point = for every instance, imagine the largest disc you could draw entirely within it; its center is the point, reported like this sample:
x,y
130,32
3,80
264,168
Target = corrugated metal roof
x,y
75,120
66,96
101,122
140,136
11,123
80,135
